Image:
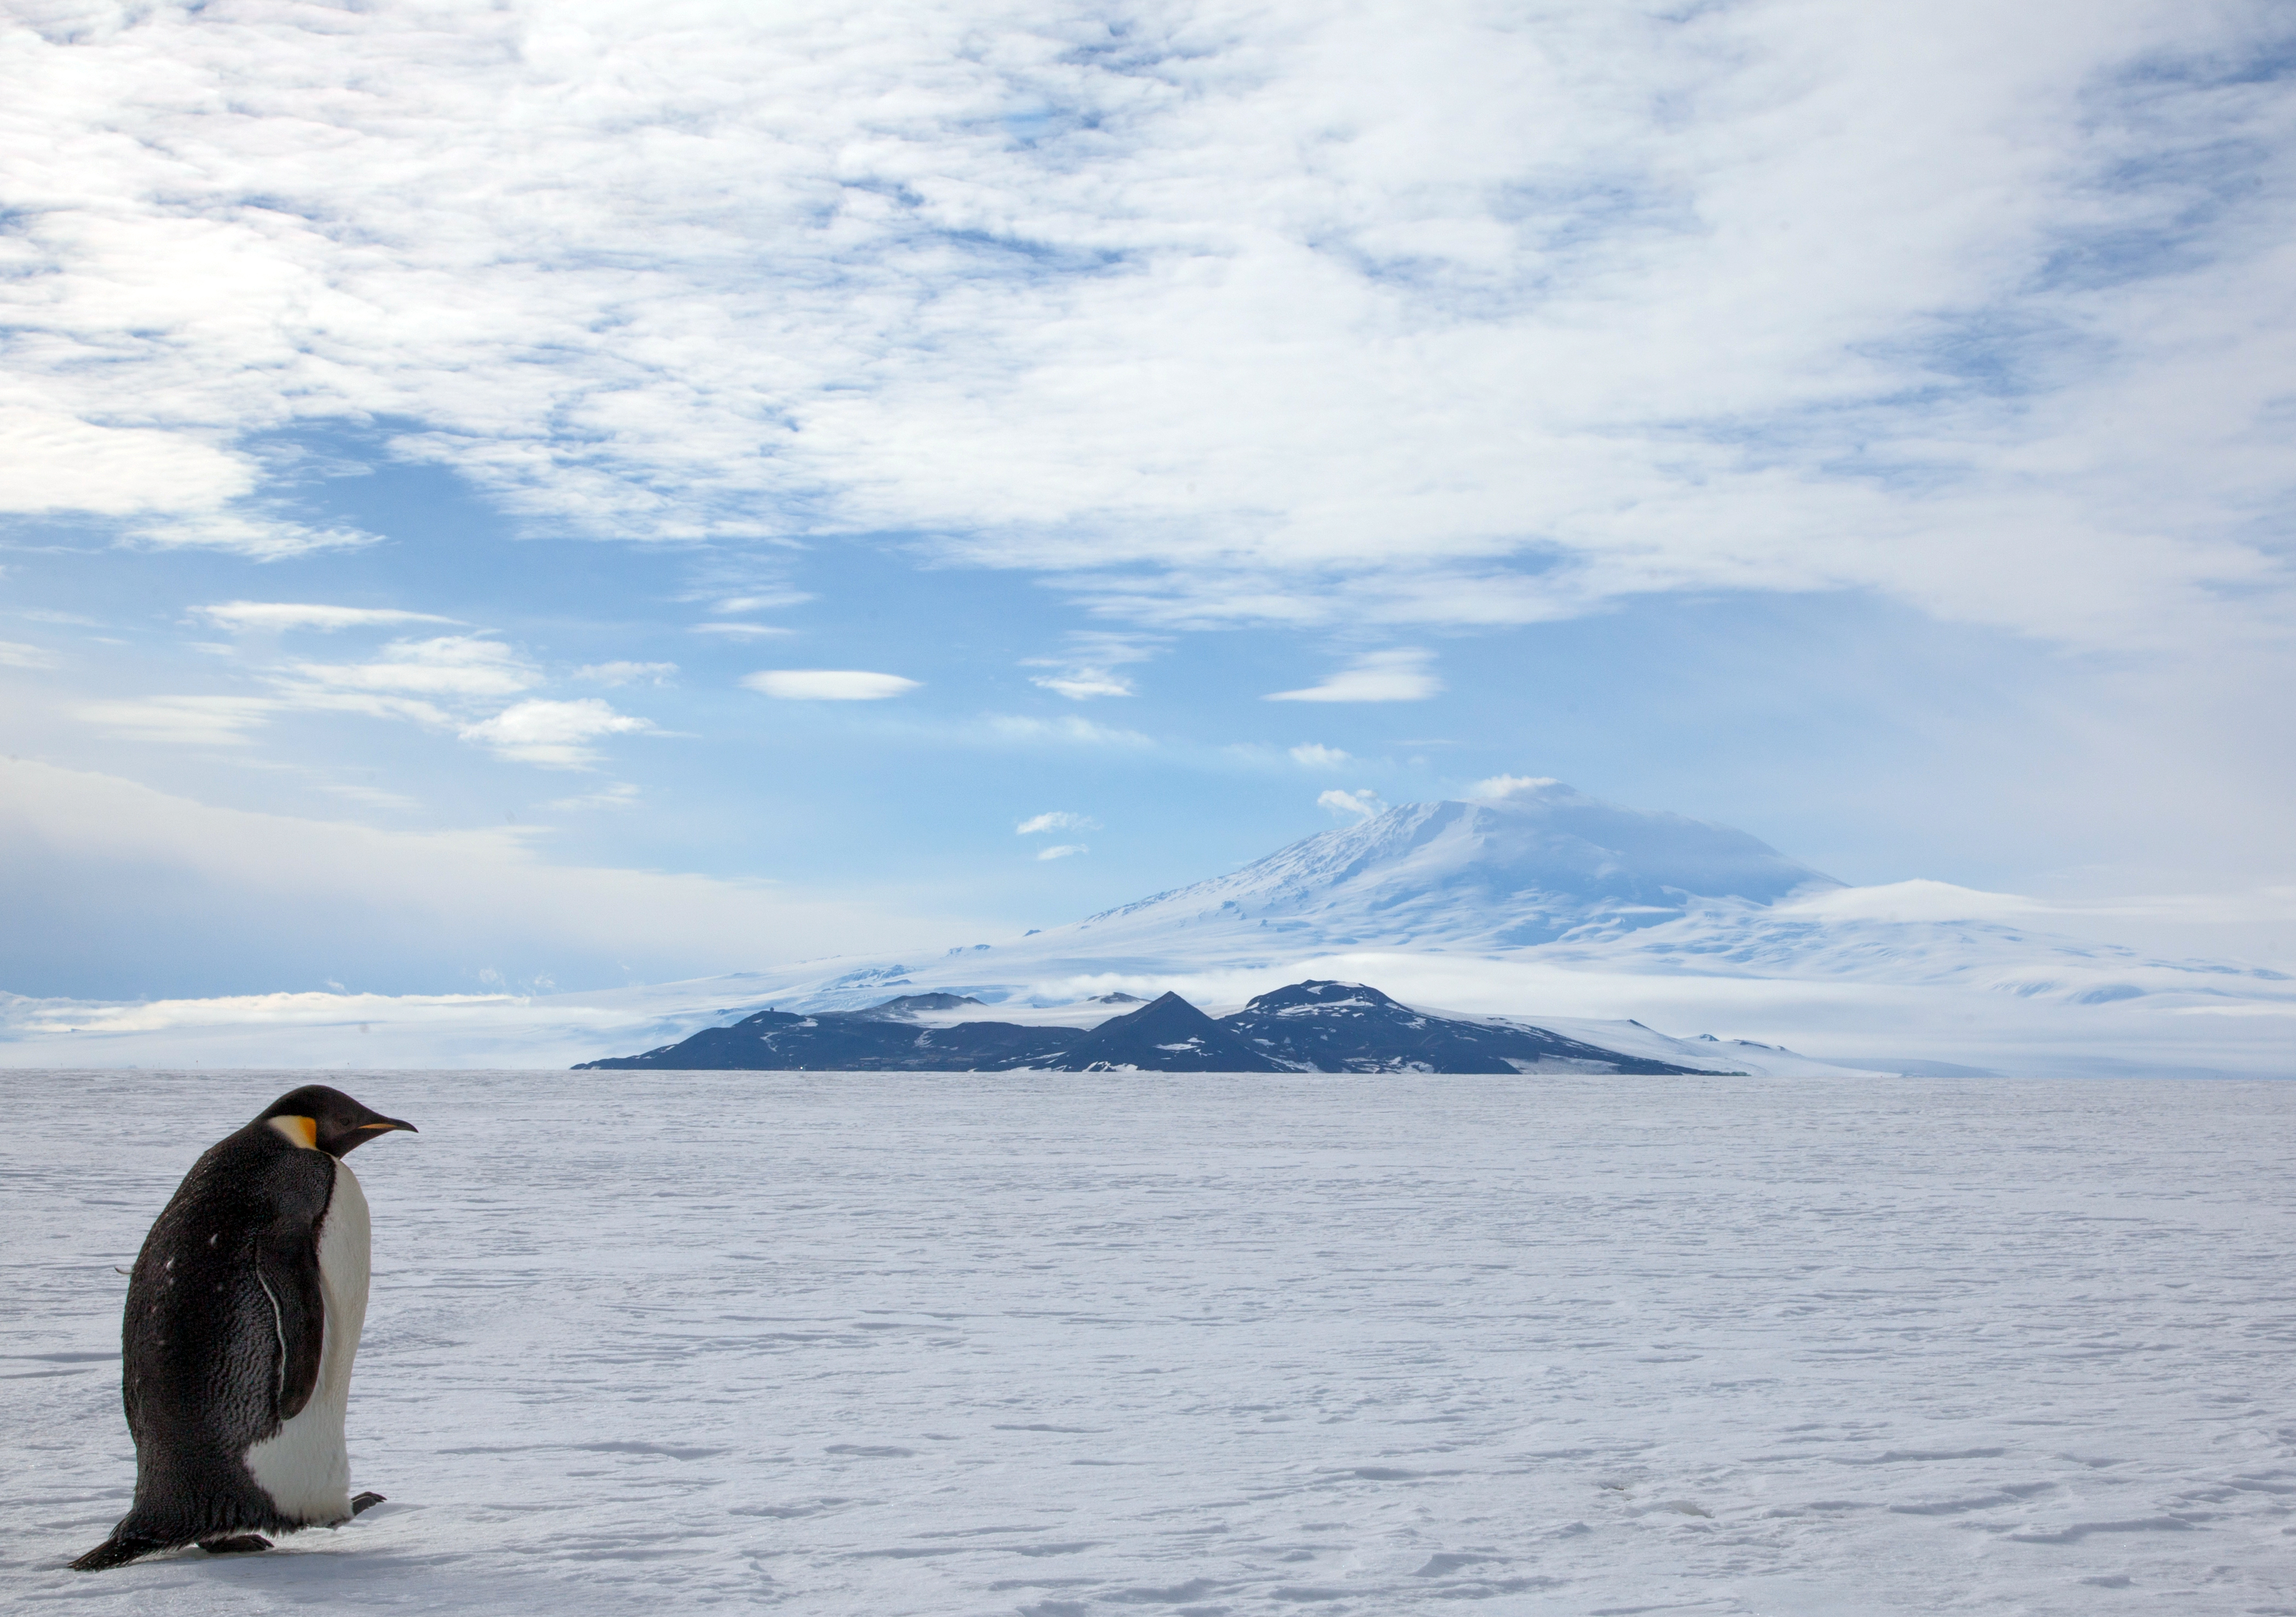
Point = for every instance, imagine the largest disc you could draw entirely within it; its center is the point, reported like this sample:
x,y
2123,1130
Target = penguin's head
x,y
320,1119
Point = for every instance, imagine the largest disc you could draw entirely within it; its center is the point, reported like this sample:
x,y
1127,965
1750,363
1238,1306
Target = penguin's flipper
x,y
365,1501
287,1266
116,1551
245,1544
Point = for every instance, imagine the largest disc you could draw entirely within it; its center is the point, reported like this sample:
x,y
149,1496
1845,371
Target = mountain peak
x,y
1544,862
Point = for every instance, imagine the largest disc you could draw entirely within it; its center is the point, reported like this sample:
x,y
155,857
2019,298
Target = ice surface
x,y
1067,1344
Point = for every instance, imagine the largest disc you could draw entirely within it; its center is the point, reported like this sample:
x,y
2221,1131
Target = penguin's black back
x,y
221,1339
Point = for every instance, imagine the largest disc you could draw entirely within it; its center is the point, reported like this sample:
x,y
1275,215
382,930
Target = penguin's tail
x,y
117,1550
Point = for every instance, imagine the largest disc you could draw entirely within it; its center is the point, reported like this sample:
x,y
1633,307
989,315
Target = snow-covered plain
x,y
1063,1344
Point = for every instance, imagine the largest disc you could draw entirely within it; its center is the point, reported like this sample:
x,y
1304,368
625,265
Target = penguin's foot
x,y
246,1544
365,1501
117,1551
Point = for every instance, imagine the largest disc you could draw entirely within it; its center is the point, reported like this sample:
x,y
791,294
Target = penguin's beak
x,y
387,1122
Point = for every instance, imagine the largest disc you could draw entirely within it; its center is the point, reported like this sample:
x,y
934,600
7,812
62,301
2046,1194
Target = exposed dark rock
x,y
1349,1027
1310,1027
853,1041
1166,1035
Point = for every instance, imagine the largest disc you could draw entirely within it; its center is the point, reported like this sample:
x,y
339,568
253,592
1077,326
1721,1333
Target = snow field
x,y
1073,1345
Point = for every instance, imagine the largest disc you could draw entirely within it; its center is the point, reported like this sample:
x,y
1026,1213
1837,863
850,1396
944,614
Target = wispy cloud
x,y
181,721
763,600
1396,676
1315,755
1059,820
1500,787
1088,671
280,615
1591,272
1360,804
373,797
620,794
319,699
450,665
1068,729
1061,851
1082,684
628,673
555,735
261,538
15,654
828,685
742,631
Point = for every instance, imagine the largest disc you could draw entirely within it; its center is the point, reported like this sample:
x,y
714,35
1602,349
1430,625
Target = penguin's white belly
x,y
304,1466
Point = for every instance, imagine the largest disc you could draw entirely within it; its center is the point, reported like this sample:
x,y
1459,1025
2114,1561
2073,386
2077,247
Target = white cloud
x,y
1500,787
1360,804
1088,670
262,538
372,704
1069,730
276,615
181,721
1062,851
742,631
828,685
628,673
58,461
1089,665
448,666
15,654
1397,676
1083,685
1304,315
620,794
1315,755
763,600
555,735
1059,820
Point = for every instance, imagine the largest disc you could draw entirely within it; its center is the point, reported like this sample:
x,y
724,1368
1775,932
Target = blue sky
x,y
447,451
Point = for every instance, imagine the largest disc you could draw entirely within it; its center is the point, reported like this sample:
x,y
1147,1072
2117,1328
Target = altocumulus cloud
x,y
828,685
1756,297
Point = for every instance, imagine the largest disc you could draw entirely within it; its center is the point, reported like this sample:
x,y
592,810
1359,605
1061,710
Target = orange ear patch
x,y
303,1131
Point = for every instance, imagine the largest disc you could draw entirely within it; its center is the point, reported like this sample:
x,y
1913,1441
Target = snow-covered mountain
x,y
1544,864
1547,908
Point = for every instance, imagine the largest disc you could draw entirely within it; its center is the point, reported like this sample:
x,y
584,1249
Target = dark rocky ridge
x,y
1308,1027
1350,1027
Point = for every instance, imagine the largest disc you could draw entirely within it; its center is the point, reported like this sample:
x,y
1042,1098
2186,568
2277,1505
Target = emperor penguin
x,y
243,1314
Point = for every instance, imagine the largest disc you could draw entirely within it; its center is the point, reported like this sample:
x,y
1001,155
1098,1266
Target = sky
x,y
507,495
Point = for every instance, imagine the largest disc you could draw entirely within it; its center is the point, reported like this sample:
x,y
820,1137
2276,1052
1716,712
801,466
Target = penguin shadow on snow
x,y
243,1316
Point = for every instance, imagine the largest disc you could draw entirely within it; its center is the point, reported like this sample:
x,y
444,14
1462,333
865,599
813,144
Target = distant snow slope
x,y
905,1345
1543,863
1548,906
